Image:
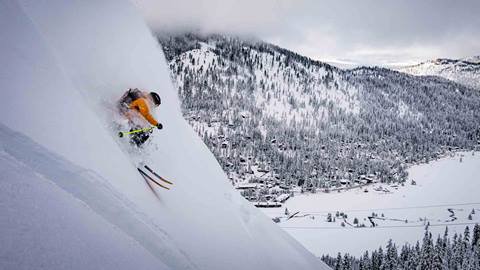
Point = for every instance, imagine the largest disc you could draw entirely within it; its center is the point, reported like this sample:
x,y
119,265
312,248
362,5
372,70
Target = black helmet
x,y
156,98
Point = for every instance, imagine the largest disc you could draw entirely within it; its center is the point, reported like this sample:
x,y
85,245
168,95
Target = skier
x,y
135,106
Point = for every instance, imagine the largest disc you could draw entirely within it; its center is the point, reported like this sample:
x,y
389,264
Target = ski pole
x,y
123,133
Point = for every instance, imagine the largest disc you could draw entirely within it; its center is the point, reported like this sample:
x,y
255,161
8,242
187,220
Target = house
x,y
282,198
369,179
268,204
345,182
262,170
246,186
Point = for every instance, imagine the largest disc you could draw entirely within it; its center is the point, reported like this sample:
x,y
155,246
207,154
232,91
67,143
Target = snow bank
x,y
67,61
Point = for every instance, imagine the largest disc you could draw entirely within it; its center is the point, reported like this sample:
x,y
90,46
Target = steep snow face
x,y
68,61
465,71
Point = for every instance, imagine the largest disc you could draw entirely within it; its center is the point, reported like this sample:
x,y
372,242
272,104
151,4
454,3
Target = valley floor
x,y
445,194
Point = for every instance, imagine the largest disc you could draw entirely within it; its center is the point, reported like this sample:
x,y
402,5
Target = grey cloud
x,y
368,31
232,16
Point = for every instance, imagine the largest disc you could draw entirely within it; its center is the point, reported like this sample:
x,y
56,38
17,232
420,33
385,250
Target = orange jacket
x,y
141,105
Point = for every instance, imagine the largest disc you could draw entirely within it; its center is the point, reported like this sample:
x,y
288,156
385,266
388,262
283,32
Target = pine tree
x,y
457,252
438,254
447,258
365,262
347,263
427,252
377,259
476,255
476,235
391,257
339,262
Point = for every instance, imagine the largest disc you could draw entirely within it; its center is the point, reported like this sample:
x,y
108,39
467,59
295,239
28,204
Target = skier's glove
x,y
159,126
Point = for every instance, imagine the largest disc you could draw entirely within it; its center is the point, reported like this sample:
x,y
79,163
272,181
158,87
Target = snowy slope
x,y
67,60
465,71
40,213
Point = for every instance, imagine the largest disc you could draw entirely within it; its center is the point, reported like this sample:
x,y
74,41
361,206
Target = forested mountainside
x,y
276,118
465,71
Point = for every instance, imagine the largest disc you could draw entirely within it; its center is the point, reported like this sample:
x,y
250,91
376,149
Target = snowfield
x,y
70,195
445,194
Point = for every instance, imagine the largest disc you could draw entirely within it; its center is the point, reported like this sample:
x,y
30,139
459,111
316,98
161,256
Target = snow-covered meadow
x,y
445,194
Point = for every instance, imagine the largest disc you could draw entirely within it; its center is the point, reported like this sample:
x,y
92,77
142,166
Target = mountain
x,y
281,121
465,71
70,194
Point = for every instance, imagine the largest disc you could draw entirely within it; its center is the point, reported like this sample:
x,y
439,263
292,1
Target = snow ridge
x,y
465,71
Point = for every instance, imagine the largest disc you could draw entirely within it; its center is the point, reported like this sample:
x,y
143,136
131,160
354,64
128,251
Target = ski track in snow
x,y
28,171
94,191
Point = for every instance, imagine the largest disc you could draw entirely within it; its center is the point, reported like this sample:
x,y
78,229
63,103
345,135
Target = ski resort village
x,y
259,135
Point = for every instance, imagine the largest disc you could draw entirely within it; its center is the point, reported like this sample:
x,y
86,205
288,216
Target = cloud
x,y
368,31
229,16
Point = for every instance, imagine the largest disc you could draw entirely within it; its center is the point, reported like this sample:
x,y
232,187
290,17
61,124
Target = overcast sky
x,y
366,32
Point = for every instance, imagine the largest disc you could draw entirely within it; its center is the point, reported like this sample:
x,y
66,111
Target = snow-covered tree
x,y
458,252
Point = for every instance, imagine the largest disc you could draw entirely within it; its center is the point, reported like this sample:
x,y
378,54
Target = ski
x,y
148,177
158,176
123,133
